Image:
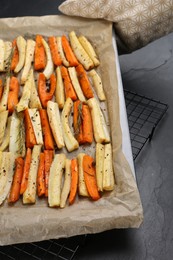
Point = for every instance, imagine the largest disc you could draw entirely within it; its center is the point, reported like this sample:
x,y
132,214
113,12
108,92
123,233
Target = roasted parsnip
x,y
82,186
97,83
6,139
34,101
29,196
21,45
59,91
55,180
100,154
101,133
66,186
36,123
30,47
61,52
55,123
70,142
2,55
79,52
49,66
3,122
108,174
4,99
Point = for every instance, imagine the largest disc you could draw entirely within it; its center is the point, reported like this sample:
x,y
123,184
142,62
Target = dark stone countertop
x,y
149,72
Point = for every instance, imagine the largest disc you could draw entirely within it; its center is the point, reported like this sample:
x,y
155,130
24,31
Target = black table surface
x,y
148,71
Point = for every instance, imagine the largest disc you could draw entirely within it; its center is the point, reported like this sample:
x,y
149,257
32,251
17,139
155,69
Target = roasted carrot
x,y
69,90
68,51
74,181
90,177
26,169
84,81
41,176
13,94
54,51
15,187
15,57
1,88
44,93
48,158
77,121
29,131
47,133
39,54
87,128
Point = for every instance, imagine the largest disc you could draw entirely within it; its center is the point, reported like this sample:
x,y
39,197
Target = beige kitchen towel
x,y
137,22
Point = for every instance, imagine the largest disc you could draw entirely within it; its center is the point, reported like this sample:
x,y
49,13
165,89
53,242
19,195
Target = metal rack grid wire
x,y
143,116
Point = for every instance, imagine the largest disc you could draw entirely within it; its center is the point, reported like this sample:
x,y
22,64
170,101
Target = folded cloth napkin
x,y
136,22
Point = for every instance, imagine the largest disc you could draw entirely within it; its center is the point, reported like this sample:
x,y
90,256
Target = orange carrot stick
x,y
41,176
29,131
15,57
39,55
69,90
90,177
84,81
48,158
77,121
47,134
74,181
15,188
54,51
87,124
68,51
44,93
1,88
26,169
13,94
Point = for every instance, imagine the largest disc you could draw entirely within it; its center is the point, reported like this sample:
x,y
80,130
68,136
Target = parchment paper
x,y
118,209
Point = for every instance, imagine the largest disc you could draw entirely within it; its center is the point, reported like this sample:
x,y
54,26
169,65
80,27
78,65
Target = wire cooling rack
x,y
143,116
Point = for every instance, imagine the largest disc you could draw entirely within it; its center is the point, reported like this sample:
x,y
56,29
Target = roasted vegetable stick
x,y
41,176
48,158
44,94
89,49
34,101
55,180
17,179
15,56
4,98
74,181
59,91
36,123
8,55
39,54
13,94
49,65
26,94
97,83
1,88
68,52
100,154
29,131
77,121
101,133
55,123
47,133
6,174
54,51
3,123
80,52
75,82
87,128
69,90
30,47
67,182
84,82
6,139
108,174
82,186
29,196
61,52
70,142
26,169
2,55
17,135
21,45
90,177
